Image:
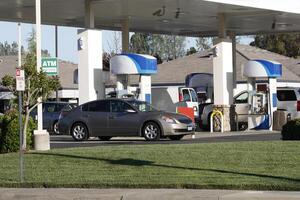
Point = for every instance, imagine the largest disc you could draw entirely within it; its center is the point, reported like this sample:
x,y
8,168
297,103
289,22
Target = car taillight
x,y
298,105
180,97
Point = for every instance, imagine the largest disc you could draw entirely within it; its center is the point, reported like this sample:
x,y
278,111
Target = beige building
x,y
169,73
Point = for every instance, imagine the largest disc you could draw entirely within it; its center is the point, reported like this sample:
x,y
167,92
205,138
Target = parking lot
x,y
65,141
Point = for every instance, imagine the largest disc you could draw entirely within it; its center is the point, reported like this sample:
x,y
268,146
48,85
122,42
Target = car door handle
x,y
111,117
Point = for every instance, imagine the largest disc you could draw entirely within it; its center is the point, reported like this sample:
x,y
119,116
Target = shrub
x,y
1,118
291,130
9,136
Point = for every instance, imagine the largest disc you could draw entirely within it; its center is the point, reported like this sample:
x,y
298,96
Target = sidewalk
x,y
142,194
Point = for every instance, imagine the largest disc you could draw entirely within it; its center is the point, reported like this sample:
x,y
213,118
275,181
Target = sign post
x,y
20,86
50,66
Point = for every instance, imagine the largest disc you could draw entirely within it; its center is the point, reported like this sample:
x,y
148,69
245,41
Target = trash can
x,y
280,118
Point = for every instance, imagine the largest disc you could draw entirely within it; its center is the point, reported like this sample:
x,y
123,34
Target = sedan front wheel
x,y
79,132
55,128
151,131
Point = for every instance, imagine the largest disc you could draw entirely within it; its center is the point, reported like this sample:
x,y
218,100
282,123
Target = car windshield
x,y
142,106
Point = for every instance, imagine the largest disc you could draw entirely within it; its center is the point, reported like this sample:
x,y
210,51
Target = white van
x,y
169,97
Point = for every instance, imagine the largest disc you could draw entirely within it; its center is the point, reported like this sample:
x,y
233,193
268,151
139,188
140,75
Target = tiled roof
x,y
175,71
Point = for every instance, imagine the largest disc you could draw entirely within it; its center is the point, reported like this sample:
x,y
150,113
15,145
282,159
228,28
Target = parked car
x,y
288,99
117,117
51,112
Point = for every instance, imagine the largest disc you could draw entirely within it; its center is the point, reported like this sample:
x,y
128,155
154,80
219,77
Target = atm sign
x,y
50,66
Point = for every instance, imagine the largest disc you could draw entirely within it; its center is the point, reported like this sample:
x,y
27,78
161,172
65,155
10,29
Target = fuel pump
x,y
134,64
262,103
258,103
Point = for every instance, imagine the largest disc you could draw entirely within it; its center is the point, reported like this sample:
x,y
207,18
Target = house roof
x,y
175,71
66,70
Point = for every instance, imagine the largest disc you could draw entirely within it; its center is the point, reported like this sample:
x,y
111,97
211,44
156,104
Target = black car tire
x,y
104,138
243,126
79,131
55,128
175,137
151,131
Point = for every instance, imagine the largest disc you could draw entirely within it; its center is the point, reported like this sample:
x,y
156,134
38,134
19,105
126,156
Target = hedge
x,y
9,135
291,130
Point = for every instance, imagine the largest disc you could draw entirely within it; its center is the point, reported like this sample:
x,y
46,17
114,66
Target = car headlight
x,y
169,120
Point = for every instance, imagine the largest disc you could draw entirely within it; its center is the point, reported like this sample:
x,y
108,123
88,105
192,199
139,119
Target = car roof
x,y
134,100
116,99
57,102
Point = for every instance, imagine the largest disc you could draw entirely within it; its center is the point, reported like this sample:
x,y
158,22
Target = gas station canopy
x,y
179,17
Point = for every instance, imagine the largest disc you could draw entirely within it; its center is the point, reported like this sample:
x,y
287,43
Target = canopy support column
x,y
233,39
123,79
91,78
223,74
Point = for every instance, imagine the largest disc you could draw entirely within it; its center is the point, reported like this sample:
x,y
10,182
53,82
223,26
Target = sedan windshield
x,y
142,106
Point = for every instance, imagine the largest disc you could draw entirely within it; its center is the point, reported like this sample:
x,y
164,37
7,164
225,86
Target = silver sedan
x,y
116,118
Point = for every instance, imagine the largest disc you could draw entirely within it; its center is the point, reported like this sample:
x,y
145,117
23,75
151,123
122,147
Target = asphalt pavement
x,y
66,141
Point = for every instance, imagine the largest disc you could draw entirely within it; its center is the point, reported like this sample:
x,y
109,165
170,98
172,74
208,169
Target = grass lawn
x,y
243,165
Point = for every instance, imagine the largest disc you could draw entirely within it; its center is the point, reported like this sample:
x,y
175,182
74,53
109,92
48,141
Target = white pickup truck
x,y
288,99
169,97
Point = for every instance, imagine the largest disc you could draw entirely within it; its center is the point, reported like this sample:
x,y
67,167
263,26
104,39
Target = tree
x,y
166,47
190,51
285,44
106,61
115,47
32,44
7,49
173,47
204,43
38,84
140,43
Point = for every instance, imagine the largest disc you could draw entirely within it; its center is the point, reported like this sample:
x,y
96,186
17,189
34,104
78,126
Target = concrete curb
x,y
145,194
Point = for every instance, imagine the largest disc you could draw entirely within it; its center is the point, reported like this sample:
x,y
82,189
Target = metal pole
x,y
125,49
233,37
21,138
21,141
56,54
38,58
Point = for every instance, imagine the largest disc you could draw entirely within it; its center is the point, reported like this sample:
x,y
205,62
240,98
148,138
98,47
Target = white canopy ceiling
x,y
182,17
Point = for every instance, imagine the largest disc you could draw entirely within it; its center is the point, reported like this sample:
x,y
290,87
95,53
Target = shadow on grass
x,y
134,162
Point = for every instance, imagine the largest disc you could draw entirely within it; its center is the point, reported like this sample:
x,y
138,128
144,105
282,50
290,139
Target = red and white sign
x,y
20,80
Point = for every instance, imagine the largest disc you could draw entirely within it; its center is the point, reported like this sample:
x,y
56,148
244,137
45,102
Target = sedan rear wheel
x,y
151,131
79,132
